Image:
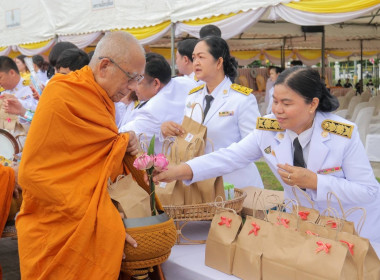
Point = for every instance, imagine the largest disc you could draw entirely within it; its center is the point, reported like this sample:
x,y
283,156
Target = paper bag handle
x,y
329,197
192,111
361,220
295,188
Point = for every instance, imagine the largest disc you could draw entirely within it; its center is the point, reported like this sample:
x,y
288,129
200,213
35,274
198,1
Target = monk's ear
x,y
104,67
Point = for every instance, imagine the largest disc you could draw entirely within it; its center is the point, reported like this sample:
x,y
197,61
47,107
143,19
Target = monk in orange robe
x,y
68,227
7,185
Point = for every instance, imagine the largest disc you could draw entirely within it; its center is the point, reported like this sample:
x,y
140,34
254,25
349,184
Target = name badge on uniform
x,y
25,97
226,113
268,150
188,137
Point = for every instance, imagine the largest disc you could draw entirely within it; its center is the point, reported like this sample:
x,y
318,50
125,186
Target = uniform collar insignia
x,y
338,128
268,124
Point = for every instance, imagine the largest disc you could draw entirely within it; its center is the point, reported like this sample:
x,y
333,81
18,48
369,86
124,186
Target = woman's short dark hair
x,y
40,62
307,83
218,47
73,58
157,67
186,47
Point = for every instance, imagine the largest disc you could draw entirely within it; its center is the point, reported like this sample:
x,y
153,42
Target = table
x,y
187,262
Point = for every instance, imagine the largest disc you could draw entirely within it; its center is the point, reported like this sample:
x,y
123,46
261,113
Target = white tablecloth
x,y
187,262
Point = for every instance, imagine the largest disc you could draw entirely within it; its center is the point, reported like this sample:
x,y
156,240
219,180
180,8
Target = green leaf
x,y
151,146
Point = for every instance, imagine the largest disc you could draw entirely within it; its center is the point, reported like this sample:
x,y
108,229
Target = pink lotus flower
x,y
160,162
143,162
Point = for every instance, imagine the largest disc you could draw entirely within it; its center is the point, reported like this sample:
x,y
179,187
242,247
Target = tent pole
x,y
323,54
172,47
361,67
283,53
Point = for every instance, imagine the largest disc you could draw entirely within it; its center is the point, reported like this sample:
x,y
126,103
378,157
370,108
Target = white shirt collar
x,y
304,137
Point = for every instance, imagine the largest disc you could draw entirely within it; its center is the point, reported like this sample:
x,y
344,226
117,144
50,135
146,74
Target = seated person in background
x,y
184,59
370,83
296,63
161,98
230,110
339,84
359,87
303,147
347,84
13,84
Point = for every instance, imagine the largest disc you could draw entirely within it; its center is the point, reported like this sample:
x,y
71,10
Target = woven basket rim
x,y
205,211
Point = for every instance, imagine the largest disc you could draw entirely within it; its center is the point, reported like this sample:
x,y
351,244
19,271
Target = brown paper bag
x,y
284,219
249,248
328,221
305,213
260,200
7,121
195,135
221,241
210,189
134,201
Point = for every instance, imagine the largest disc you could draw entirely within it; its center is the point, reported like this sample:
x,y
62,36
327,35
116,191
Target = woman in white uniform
x,y
328,148
230,113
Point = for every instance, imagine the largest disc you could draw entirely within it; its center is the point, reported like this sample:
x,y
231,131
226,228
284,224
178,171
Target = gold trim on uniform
x,y
137,103
242,89
196,89
268,124
25,83
338,128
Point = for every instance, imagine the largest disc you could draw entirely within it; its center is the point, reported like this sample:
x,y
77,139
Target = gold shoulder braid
x,y
242,89
25,83
268,124
196,89
338,128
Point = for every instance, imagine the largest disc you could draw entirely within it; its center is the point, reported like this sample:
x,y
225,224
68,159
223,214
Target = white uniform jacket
x,y
167,105
353,181
231,117
24,94
124,112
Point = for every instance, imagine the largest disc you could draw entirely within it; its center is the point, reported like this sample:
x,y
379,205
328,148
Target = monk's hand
x,y
130,240
294,175
133,144
174,172
171,129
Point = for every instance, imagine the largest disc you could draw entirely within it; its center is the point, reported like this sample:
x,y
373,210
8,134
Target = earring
x,y
311,112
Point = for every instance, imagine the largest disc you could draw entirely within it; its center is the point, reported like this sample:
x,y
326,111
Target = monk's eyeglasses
x,y
132,77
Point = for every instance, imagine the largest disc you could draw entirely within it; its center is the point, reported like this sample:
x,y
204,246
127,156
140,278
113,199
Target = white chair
x,y
351,106
358,107
342,102
366,95
362,121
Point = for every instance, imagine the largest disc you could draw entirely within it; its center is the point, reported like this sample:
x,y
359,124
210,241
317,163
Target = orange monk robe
x,y
7,184
68,227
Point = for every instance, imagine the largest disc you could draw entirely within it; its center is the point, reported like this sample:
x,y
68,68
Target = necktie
x,y
208,98
298,155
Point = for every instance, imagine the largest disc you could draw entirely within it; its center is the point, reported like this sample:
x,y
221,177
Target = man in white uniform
x,y
161,99
184,59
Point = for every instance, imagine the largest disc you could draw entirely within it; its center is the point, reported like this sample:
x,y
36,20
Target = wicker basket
x,y
204,211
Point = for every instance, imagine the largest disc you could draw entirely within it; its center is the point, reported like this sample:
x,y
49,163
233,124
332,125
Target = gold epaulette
x,y
242,89
137,103
196,89
25,83
268,124
338,128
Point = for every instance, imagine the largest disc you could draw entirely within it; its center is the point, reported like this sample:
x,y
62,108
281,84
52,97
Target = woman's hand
x,y
173,173
35,93
171,129
294,175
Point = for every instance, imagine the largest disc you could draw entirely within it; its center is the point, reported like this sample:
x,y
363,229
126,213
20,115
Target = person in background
x,y
210,30
230,110
268,86
68,227
370,83
41,67
305,145
22,68
14,84
339,84
359,87
184,59
161,99
296,63
71,60
56,52
347,84
274,72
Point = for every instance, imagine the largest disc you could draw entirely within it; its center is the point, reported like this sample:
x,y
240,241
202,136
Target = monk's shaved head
x,y
118,45
118,64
